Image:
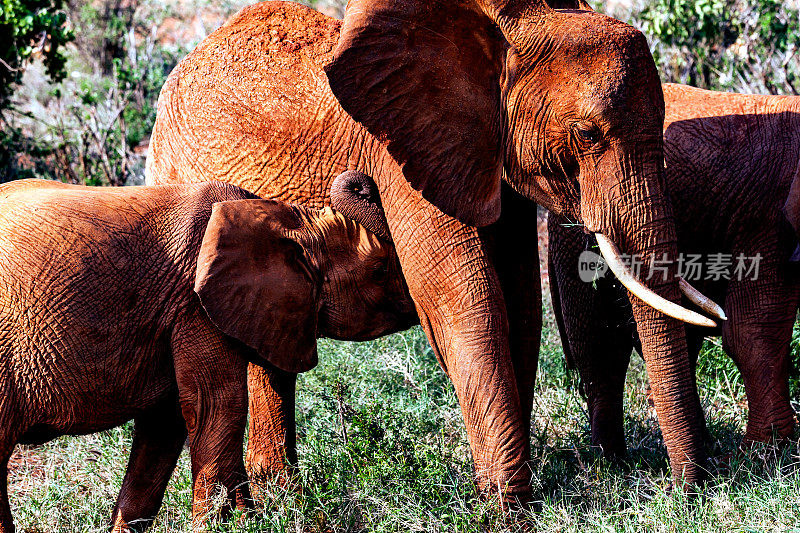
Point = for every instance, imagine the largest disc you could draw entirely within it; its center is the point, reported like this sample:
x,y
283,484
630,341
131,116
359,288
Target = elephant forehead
x,y
626,88
589,33
602,53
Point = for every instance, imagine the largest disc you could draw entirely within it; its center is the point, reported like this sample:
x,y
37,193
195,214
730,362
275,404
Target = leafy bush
x,y
740,45
29,28
89,126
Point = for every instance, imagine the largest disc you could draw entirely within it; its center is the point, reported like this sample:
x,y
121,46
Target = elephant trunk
x,y
356,196
458,295
670,373
646,231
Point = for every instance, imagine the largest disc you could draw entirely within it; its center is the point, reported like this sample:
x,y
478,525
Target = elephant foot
x,y
272,484
779,429
608,429
511,501
515,509
613,450
767,450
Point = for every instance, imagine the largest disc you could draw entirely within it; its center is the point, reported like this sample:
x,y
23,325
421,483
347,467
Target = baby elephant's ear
x,y
255,283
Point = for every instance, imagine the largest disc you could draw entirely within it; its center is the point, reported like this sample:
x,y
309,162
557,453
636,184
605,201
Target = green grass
x,y
382,448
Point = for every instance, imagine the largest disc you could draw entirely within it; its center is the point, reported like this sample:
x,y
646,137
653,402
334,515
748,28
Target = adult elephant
x,y
731,160
438,100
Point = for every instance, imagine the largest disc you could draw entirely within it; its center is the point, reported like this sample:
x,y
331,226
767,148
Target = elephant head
x,y
276,277
567,106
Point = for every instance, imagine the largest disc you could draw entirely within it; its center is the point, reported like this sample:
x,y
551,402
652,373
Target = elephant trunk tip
x,y
356,196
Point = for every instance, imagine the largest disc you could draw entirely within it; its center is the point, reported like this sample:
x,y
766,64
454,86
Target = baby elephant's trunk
x,y
355,195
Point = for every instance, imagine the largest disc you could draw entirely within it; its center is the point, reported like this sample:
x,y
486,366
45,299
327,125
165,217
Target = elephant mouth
x,y
625,276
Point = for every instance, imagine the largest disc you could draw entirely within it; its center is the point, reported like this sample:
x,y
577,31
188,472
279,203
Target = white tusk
x,y
701,300
612,256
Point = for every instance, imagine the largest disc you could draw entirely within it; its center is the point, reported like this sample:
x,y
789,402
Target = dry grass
x,y
383,448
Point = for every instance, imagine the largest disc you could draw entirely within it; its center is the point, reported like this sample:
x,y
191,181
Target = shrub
x,y
87,126
29,29
739,45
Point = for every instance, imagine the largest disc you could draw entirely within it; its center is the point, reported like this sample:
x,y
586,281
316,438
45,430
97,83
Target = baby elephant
x,y
147,303
271,443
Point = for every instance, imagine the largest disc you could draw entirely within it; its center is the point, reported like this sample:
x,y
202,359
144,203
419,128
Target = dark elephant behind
x,y
730,163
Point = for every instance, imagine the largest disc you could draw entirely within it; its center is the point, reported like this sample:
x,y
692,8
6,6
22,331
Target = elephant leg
x,y
516,258
606,357
594,320
757,335
271,441
694,343
157,442
216,457
600,340
6,521
211,373
11,429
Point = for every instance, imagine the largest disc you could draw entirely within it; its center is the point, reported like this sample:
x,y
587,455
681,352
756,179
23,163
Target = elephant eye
x,y
381,271
588,133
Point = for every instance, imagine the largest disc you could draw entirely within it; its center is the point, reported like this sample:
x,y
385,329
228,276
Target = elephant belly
x,y
75,393
41,433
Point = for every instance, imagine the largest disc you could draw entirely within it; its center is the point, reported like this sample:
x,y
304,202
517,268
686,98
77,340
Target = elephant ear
x,y
423,77
255,283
